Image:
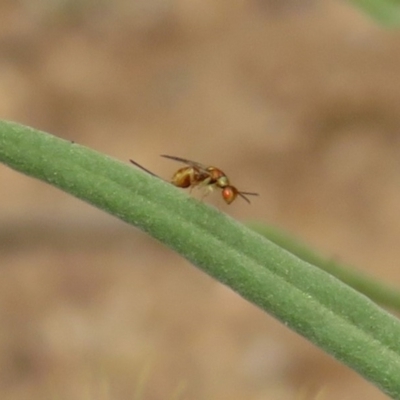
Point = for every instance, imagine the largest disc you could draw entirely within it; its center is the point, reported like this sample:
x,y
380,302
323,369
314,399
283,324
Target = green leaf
x,y
318,306
386,12
379,292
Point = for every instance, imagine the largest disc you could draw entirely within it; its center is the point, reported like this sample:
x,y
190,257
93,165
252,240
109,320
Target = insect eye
x,y
229,194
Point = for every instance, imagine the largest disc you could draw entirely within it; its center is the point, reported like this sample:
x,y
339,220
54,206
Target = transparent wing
x,y
194,164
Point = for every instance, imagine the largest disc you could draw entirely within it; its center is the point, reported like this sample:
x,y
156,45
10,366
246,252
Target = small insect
x,y
199,175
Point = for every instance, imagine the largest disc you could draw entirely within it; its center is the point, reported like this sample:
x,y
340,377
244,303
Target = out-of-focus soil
x,y
299,101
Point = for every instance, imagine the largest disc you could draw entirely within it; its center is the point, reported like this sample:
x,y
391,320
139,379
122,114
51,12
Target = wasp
x,y
199,175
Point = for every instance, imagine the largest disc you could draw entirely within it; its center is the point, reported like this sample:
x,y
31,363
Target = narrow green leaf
x,y
383,294
313,303
386,12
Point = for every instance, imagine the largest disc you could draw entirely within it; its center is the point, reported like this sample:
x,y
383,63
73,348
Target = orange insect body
x,y
188,177
196,174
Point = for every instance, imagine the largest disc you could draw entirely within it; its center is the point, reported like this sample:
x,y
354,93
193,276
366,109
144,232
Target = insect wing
x,y
193,164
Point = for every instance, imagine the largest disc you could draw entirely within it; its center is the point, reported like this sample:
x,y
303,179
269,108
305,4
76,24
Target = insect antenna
x,y
143,168
242,195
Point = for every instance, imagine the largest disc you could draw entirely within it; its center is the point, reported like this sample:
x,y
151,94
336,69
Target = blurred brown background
x,y
297,100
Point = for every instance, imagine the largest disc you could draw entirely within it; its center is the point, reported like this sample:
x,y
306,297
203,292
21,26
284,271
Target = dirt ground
x,y
299,101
